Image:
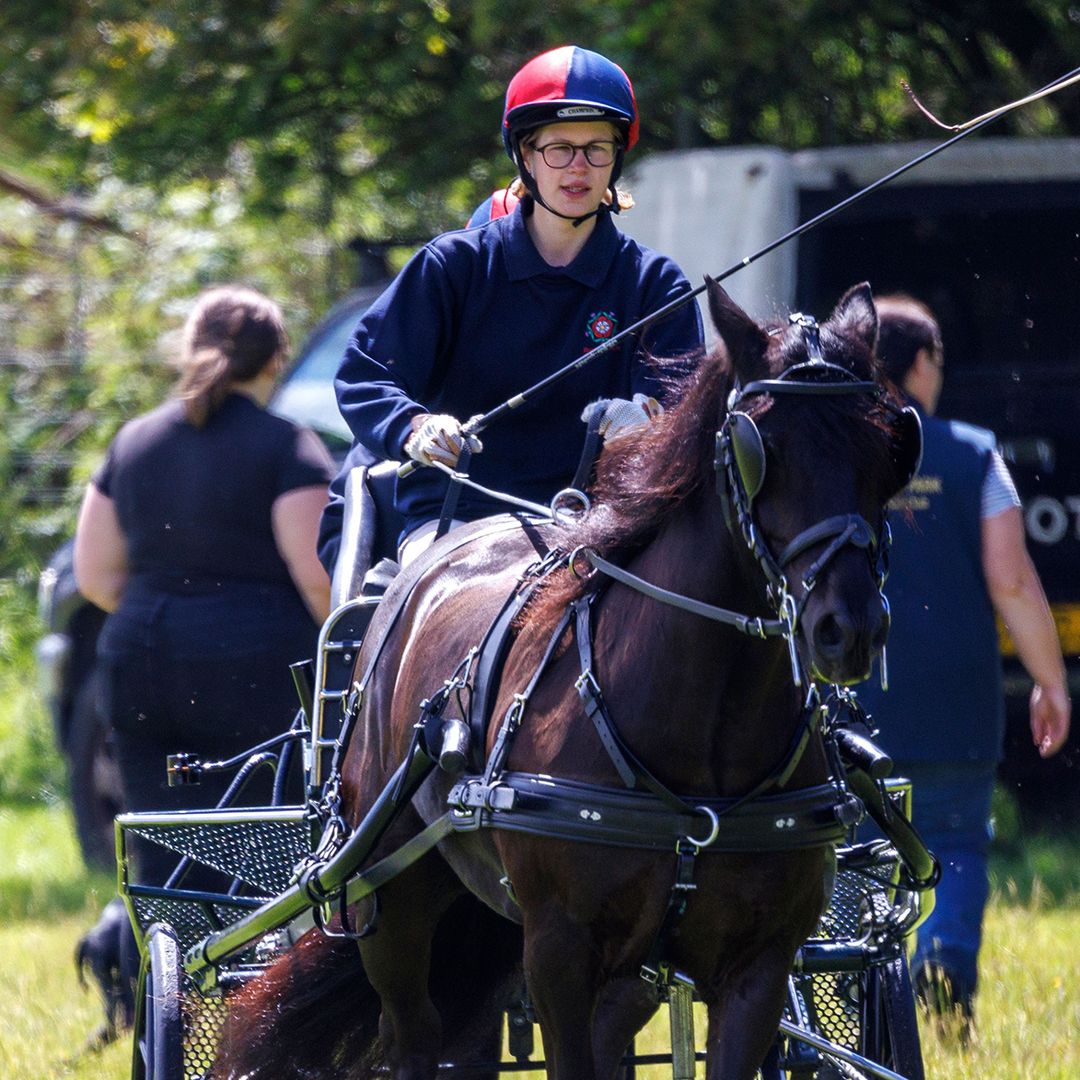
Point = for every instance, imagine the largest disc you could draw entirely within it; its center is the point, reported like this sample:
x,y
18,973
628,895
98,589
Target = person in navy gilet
x,y
958,557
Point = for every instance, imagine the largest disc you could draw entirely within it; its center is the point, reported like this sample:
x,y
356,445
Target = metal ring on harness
x,y
562,505
572,560
714,831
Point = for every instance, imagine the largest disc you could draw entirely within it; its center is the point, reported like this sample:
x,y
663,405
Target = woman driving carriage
x,y
479,314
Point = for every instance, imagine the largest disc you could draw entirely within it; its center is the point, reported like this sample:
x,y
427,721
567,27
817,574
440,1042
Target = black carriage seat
x,y
365,566
366,561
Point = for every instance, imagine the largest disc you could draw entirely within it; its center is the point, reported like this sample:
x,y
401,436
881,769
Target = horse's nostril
x,y
831,635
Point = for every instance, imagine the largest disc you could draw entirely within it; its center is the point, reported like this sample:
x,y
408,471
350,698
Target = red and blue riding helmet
x,y
565,85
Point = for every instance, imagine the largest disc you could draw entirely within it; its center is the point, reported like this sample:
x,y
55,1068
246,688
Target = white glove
x,y
621,416
439,438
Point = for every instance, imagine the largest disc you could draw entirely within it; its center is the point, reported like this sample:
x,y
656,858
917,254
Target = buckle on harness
x,y
476,795
589,691
789,616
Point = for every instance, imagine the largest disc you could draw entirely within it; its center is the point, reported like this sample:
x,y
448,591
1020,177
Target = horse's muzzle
x,y
843,645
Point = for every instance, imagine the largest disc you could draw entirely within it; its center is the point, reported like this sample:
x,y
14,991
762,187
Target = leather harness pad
x,y
573,810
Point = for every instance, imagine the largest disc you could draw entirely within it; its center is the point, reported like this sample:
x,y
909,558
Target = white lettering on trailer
x,y
1047,519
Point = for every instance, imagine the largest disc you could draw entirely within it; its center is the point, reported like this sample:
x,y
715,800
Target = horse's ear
x,y
744,340
856,315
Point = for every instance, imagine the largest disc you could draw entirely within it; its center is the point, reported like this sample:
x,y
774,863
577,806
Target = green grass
x,y
45,1017
1028,1008
47,900
30,767
42,874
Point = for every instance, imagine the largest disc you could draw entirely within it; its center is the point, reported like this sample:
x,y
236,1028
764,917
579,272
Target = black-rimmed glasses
x,y
558,155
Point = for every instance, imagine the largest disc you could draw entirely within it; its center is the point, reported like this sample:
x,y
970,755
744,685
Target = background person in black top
x,y
197,535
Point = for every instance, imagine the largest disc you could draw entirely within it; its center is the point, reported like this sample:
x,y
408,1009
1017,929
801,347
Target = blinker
x,y
749,452
910,451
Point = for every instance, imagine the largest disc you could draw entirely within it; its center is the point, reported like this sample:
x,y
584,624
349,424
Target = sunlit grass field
x,y
1028,1008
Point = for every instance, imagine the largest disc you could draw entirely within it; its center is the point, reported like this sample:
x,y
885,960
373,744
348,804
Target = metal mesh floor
x,y
260,853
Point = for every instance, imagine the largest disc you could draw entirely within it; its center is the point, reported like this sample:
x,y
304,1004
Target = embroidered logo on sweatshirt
x,y
600,327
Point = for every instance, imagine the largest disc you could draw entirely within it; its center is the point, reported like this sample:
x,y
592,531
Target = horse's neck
x,y
714,705
696,556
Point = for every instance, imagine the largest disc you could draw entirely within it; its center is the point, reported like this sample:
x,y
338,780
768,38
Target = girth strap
x,y
574,810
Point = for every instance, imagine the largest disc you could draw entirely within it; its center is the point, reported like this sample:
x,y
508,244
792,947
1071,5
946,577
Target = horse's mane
x,y
643,478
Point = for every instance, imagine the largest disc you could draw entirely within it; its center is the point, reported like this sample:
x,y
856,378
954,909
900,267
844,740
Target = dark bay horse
x,y
709,709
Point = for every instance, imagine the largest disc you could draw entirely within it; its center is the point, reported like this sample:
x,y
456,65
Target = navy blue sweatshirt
x,y
476,317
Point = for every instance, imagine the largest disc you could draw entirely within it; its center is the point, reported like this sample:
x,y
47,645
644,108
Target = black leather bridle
x,y
740,474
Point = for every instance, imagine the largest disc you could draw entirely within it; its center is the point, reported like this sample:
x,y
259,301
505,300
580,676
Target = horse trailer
x,y
988,235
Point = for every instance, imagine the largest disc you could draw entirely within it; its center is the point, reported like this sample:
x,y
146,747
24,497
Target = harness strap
x,y
589,451
629,767
754,627
411,851
822,389
512,719
549,806
842,529
655,970
493,650
453,492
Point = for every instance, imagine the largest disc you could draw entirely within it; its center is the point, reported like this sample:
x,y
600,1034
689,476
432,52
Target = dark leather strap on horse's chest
x,y
631,771
575,810
492,656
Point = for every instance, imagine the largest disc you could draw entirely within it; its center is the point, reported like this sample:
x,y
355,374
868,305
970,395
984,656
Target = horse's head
x,y
809,452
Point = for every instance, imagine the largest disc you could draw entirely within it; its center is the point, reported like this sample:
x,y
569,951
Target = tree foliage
x,y
317,105
149,147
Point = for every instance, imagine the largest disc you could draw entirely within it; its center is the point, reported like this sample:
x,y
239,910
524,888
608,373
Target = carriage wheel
x,y
889,1031
159,1020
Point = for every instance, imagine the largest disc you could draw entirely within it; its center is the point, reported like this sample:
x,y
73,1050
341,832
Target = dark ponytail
x,y
231,335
